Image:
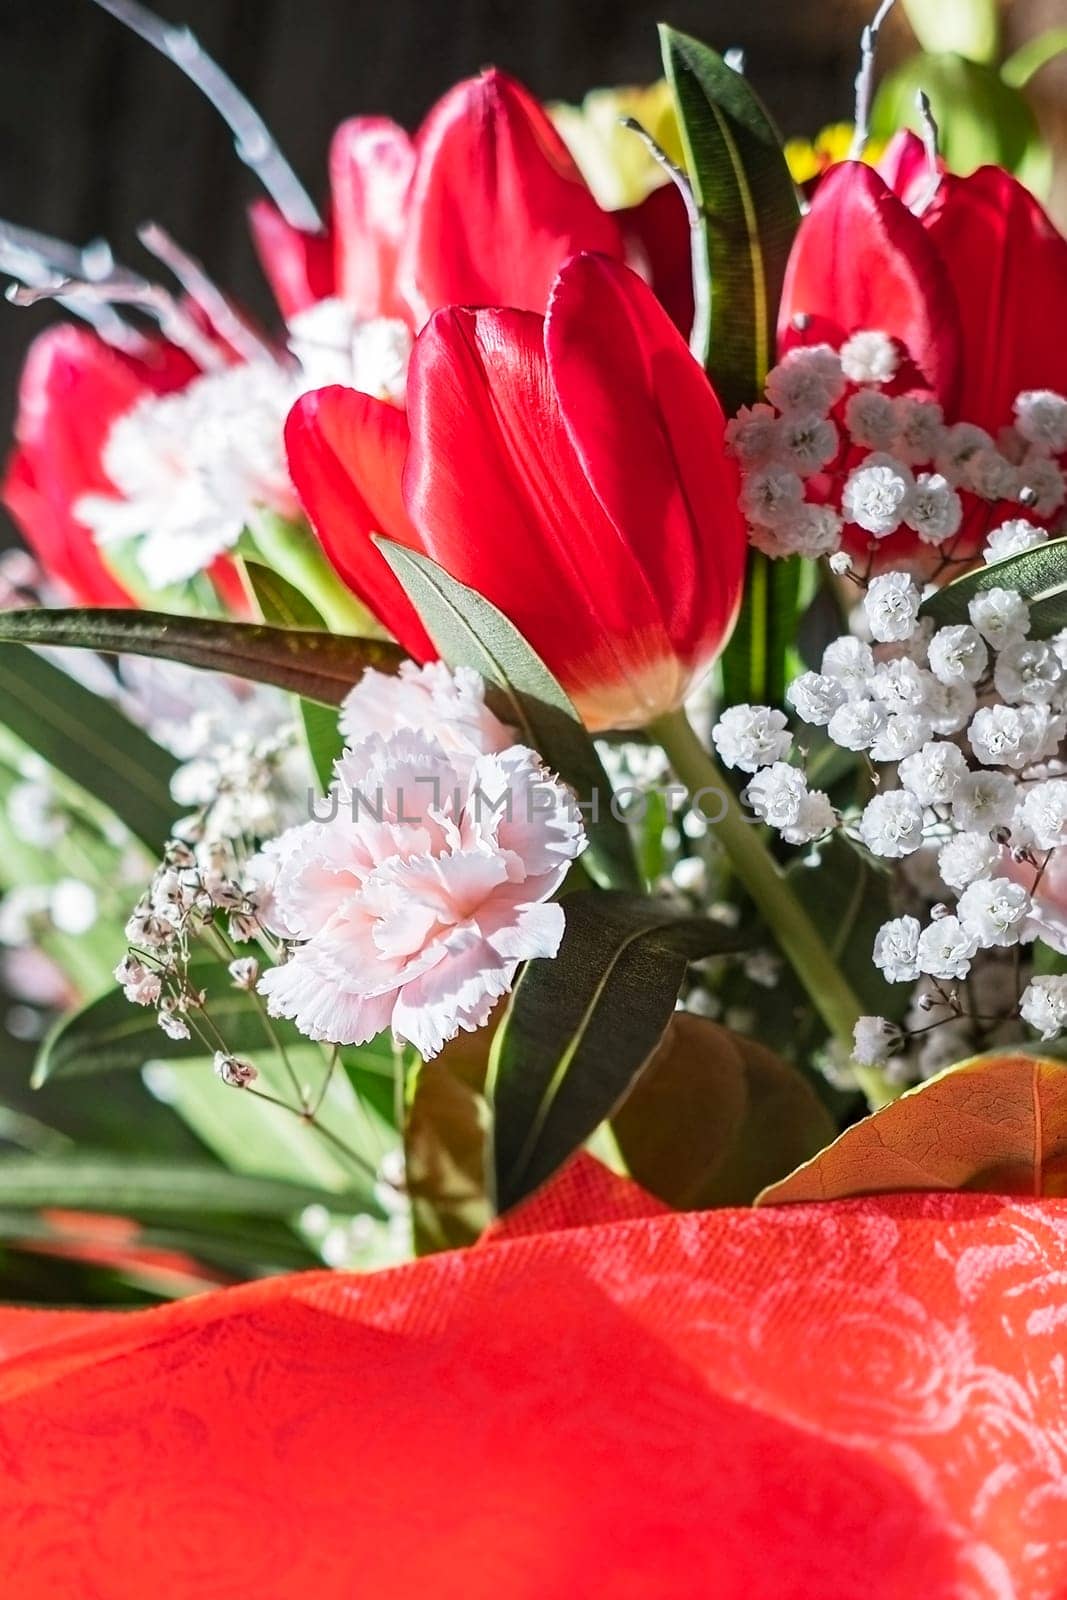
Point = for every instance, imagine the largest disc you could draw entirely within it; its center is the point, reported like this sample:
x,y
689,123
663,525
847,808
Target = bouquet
x,y
567,725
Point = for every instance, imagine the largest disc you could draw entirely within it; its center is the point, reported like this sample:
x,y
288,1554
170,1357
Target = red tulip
x,y
73,388
975,287
298,265
570,468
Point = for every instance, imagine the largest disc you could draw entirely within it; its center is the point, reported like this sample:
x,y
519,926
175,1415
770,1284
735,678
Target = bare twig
x,y
865,80
37,260
252,139
930,137
200,289
174,323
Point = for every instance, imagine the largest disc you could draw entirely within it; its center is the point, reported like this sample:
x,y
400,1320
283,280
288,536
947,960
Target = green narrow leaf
x,y
87,739
749,215
1032,56
762,656
284,606
320,666
131,1187
470,632
1040,576
579,1029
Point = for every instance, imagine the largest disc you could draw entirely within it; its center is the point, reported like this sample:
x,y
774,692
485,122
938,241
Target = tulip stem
x,y
295,554
797,936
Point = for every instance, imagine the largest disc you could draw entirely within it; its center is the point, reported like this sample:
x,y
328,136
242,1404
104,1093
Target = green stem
x,y
797,936
296,555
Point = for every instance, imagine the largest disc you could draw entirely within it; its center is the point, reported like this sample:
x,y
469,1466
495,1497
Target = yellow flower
x,y
808,158
612,159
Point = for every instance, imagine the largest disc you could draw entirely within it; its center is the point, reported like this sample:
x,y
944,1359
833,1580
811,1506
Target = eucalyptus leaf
x,y
86,738
320,666
284,606
580,1028
748,215
471,632
1039,575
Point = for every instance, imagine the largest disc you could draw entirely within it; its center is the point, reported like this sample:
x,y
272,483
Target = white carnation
x,y
872,1040
815,817
904,733
857,724
1002,736
849,660
770,495
807,442
920,429
753,435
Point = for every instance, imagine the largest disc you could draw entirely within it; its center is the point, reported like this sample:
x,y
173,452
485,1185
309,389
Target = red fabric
x,y
497,203
571,469
856,1401
297,265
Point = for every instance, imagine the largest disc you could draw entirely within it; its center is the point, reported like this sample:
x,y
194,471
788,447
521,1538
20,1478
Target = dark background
x,y
99,133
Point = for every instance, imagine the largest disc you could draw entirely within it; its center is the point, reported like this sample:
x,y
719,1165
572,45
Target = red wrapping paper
x,y
859,1399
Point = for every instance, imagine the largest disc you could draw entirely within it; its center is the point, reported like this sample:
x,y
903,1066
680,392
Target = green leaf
x,y
1032,56
87,739
130,1187
847,897
716,1117
111,1035
579,1029
319,666
967,27
748,216
1040,576
284,606
470,632
762,656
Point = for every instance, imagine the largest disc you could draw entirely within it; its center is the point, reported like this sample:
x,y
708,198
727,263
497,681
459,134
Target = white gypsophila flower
x,y
690,875
892,824
815,818
840,564
871,420
946,949
776,794
140,985
771,495
966,857
960,443
950,706
1001,616
904,733
1041,419
1003,736
869,356
801,530
896,949
1044,1006
234,1071
934,772
991,476
875,495
872,1040
983,801
750,737
933,510
1029,670
956,653
73,906
849,660
920,431
1011,539
333,345
173,1026
995,911
1042,486
891,606
806,380
1044,812
815,697
753,435
190,470
806,443
900,684
857,724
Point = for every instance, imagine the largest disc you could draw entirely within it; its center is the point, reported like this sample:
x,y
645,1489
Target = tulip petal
x,y
297,265
372,161
648,430
346,456
497,203
500,499
659,238
1008,266
862,260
